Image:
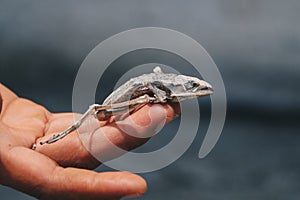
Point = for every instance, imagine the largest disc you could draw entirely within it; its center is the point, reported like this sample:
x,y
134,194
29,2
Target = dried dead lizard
x,y
156,87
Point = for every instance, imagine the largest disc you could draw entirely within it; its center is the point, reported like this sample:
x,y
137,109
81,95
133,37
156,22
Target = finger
x,y
68,151
76,183
39,176
7,96
115,139
0,103
71,151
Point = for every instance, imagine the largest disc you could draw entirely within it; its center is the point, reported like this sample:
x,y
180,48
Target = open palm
x,y
57,171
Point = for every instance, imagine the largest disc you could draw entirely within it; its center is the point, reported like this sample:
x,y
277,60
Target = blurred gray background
x,y
255,44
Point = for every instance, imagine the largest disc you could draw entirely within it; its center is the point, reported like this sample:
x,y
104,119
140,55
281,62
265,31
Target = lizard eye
x,y
191,85
194,84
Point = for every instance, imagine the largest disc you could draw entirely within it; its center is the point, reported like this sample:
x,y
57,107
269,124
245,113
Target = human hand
x,y
56,171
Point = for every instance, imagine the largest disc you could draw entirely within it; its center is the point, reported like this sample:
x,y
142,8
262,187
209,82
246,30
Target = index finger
x,y
72,151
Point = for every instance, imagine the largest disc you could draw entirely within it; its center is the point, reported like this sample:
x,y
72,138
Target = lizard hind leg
x,y
73,127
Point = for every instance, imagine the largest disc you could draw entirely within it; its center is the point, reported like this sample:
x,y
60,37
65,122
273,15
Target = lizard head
x,y
196,85
191,87
183,87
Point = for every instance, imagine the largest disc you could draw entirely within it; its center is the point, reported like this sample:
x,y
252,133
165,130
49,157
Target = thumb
x,y
37,175
73,183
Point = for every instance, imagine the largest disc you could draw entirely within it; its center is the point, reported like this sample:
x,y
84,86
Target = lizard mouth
x,y
189,95
205,90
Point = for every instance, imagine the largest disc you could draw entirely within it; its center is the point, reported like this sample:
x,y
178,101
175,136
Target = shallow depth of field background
x,y
255,44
